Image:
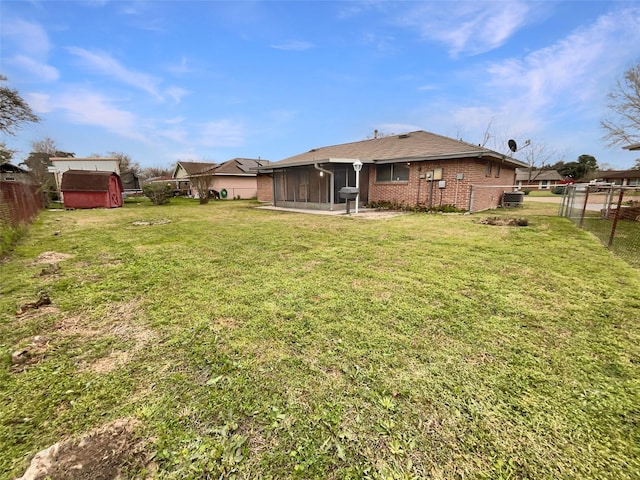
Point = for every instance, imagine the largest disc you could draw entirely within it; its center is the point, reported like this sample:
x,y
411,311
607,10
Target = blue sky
x,y
209,81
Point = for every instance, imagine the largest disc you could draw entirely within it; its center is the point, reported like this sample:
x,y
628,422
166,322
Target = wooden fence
x,y
19,203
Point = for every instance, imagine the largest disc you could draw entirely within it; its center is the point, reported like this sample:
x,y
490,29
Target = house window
x,y
544,184
498,168
392,172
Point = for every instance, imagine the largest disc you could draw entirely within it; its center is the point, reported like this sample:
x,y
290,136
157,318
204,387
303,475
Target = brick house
x,y
625,178
412,169
534,179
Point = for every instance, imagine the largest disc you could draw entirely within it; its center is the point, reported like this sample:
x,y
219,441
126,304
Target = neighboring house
x,y
91,189
625,178
538,179
412,169
59,165
235,178
13,173
184,170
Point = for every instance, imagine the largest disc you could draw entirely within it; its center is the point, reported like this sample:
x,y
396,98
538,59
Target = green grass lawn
x,y
261,344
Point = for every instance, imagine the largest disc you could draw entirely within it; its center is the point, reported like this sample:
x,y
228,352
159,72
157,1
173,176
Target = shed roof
x,y
87,181
418,145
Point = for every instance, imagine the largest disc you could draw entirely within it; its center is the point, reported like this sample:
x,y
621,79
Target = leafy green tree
x,y
578,170
637,165
623,125
14,111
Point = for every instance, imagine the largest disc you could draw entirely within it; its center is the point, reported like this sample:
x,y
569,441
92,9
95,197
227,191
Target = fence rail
x,y
610,212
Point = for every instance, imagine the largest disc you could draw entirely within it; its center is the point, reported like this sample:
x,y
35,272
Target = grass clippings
x,y
252,343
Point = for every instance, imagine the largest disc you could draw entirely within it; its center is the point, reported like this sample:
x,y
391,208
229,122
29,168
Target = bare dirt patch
x,y
108,452
119,324
51,257
27,352
146,223
505,221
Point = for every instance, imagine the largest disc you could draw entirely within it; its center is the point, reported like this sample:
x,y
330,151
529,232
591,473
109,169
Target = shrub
x,y
526,191
385,205
158,193
558,190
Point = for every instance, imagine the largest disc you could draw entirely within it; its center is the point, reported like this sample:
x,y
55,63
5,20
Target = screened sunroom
x,y
317,186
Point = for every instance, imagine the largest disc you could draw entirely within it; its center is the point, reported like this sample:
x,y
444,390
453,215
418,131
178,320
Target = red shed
x,y
91,189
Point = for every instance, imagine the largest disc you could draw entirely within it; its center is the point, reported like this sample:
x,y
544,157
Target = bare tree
x,y
38,161
14,111
126,164
536,155
152,172
623,128
46,145
202,184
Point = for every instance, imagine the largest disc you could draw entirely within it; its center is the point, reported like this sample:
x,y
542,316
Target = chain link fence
x,y
610,212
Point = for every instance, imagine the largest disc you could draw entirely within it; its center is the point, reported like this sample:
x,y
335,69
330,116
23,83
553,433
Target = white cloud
x,y
30,47
39,102
42,71
295,45
577,70
29,38
222,133
176,93
105,64
84,107
467,28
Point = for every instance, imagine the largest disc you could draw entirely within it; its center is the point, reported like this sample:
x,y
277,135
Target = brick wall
x,y
265,188
459,176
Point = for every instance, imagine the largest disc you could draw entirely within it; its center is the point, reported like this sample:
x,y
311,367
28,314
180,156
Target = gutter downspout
x,y
330,173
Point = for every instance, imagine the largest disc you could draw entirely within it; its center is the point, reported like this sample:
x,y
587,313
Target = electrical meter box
x,y
442,183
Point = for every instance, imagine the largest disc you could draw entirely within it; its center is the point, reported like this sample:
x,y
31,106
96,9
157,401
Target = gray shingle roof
x,y
194,168
522,174
413,145
615,174
240,166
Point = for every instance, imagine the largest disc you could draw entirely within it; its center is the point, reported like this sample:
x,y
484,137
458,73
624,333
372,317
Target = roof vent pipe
x,y
375,134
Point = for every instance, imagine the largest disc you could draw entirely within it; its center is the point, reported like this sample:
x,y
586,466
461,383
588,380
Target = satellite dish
x,y
512,145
